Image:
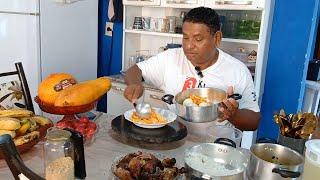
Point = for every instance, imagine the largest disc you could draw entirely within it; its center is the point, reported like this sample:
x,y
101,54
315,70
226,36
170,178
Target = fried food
x,y
41,120
83,93
154,118
15,113
10,124
142,165
26,138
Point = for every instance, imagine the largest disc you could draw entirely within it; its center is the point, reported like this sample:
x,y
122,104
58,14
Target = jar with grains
x,y
58,154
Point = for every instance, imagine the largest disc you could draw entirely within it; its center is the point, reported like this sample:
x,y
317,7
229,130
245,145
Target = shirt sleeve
x,y
249,99
153,69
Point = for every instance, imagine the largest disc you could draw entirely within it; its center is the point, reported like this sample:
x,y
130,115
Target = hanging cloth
x,y
115,11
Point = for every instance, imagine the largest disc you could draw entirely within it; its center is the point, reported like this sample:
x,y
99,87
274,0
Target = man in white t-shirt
x,y
199,63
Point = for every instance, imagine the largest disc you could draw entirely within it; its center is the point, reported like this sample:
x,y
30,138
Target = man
x,y
199,63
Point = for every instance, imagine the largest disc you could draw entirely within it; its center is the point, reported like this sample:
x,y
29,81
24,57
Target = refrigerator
x,y
49,36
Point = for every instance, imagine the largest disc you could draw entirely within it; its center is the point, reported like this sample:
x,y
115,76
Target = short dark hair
x,y
204,15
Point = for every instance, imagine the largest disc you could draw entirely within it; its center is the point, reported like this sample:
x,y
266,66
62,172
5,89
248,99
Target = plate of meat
x,y
144,165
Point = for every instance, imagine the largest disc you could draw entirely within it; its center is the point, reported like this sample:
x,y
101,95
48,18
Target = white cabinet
x,y
182,3
235,4
141,2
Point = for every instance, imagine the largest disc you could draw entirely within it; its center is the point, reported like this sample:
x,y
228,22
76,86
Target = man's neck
x,y
208,63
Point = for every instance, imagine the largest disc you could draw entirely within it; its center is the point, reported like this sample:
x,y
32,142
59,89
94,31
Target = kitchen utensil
x,y
198,114
13,159
293,143
143,109
168,115
61,145
215,161
127,130
273,162
221,131
312,160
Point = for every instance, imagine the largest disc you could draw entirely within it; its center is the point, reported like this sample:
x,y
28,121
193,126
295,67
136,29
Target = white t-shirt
x,y
172,72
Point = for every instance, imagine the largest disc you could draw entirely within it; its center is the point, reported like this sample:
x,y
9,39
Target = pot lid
x,y
313,150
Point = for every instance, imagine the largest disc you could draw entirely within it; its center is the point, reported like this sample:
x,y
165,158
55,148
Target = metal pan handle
x,y
168,98
286,173
226,141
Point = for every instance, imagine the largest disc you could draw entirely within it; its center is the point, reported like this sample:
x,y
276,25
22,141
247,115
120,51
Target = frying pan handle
x,y
286,173
226,141
168,98
235,96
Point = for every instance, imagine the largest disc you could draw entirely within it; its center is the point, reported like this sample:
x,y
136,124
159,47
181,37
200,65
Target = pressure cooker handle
x,y
235,96
286,173
225,141
168,98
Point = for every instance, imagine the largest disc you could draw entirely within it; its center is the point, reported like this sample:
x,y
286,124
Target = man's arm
x,y
246,120
133,75
133,79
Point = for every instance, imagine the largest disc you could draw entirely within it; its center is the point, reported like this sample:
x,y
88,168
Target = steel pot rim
x,y
275,164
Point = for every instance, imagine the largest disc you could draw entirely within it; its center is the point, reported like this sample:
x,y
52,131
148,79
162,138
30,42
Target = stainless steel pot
x,y
273,162
215,161
195,113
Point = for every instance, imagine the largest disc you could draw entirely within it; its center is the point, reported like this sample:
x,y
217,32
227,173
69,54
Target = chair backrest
x,y
24,84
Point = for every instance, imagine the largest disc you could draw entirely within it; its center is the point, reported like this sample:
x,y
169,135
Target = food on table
x,y
84,126
298,126
11,133
154,118
83,93
195,100
51,86
7,123
41,120
26,138
142,165
15,113
60,169
21,125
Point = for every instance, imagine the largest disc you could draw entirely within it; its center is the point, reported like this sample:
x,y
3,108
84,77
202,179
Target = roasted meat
x,y
145,166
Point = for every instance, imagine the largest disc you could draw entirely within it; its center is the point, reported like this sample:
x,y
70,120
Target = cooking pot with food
x,y
205,112
273,162
218,161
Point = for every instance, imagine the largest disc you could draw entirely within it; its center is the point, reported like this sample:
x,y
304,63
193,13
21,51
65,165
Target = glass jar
x,y
58,155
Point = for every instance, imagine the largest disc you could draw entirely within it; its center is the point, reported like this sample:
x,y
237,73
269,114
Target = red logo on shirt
x,y
189,83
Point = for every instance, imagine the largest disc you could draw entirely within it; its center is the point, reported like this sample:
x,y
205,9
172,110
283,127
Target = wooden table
x,y
102,152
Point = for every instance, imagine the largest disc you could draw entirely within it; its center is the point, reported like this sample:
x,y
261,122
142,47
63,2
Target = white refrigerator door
x,y
19,6
69,38
19,40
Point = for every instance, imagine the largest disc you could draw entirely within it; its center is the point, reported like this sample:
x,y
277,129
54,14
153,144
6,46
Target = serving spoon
x,y
143,109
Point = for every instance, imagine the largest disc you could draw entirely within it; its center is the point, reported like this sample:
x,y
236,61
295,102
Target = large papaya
x,y
52,85
83,93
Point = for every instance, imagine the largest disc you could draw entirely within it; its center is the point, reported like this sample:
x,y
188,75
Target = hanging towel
x,y
115,11
110,10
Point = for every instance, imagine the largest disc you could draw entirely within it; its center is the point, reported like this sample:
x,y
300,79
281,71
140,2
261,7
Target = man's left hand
x,y
228,107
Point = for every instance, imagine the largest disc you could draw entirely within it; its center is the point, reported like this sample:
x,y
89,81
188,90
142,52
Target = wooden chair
x,y
24,85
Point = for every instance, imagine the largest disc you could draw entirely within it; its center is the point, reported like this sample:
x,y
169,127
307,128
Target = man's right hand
x,y
133,92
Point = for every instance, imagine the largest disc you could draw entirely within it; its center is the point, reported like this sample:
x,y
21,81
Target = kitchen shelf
x,y
243,41
236,7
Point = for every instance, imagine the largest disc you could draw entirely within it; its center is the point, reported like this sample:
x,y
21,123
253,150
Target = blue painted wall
x,y
109,49
289,53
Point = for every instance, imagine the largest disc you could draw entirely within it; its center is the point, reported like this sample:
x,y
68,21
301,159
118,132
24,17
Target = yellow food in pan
x,y
154,118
